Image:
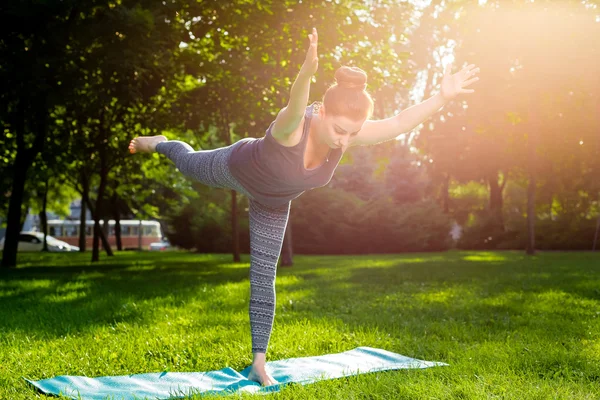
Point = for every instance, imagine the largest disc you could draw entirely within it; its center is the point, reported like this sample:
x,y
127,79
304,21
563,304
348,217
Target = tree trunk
x,y
100,199
532,130
287,251
531,215
43,228
44,217
97,230
13,220
235,227
83,213
597,164
117,218
140,233
106,226
95,250
102,236
38,117
23,160
597,231
234,208
24,212
445,194
82,227
496,201
118,232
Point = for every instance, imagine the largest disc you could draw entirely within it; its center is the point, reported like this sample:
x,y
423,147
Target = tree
x,y
34,67
525,76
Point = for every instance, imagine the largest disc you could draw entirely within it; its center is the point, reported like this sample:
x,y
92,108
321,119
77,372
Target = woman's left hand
x,y
455,84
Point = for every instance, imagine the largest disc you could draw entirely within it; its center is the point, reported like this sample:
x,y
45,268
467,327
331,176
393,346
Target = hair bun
x,y
351,78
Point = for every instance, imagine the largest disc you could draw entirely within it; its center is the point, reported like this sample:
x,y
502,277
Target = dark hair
x,y
348,97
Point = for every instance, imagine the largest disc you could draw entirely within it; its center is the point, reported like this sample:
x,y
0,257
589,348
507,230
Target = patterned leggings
x,y
267,228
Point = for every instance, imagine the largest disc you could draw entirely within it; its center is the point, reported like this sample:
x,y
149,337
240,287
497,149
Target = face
x,y
338,131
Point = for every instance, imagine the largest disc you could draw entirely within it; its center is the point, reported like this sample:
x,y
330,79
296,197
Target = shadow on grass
x,y
548,296
70,294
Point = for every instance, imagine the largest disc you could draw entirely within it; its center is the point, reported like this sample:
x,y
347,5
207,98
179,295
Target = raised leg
x,y
209,167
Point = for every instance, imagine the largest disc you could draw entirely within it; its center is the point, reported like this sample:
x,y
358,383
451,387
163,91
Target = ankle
x,y
259,359
157,142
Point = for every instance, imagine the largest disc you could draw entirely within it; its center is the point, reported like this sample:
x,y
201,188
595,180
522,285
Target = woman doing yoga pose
x,y
300,151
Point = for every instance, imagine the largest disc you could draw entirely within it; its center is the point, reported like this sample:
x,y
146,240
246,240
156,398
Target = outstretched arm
x,y
290,116
374,132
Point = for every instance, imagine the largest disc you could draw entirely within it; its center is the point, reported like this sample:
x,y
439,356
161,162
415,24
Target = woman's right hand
x,y
311,63
290,117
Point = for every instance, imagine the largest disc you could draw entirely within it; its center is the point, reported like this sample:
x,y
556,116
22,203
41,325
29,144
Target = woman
x,y
299,152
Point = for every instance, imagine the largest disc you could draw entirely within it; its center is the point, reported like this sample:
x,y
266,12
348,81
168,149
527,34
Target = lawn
x,y
509,325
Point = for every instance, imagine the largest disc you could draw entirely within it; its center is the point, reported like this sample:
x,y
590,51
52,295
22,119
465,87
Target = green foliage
x,y
484,231
355,173
466,199
60,197
414,227
88,76
324,222
247,58
205,223
529,115
406,179
565,234
562,233
334,222
388,169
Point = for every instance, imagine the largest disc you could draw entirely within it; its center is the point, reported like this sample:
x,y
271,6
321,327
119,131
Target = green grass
x,y
510,326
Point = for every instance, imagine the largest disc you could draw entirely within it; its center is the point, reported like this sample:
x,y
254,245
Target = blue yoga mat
x,y
170,385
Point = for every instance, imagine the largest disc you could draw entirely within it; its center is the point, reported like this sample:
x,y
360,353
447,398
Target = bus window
x,y
125,230
89,229
55,231
70,230
134,231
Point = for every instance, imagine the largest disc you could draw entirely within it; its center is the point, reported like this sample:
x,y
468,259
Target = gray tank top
x,y
274,174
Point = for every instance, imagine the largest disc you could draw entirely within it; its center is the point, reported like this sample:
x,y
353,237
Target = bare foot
x,y
260,375
145,144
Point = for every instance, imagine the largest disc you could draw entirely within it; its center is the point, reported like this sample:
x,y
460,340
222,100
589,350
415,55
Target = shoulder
x,y
287,121
291,139
292,136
